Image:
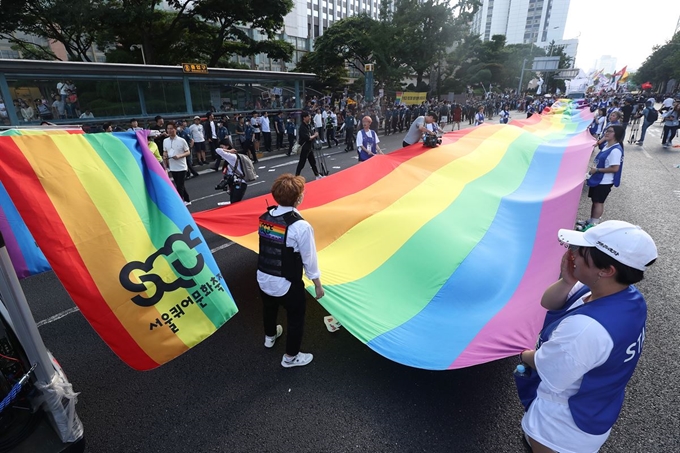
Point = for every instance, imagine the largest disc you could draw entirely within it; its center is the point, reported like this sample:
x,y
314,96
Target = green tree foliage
x,y
412,40
206,31
74,23
424,31
662,65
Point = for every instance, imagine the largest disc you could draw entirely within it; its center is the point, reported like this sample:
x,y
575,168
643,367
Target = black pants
x,y
237,191
248,146
279,140
295,303
349,139
214,144
668,134
178,177
320,130
306,154
330,135
267,141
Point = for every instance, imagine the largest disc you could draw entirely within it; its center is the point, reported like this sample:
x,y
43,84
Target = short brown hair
x,y
287,189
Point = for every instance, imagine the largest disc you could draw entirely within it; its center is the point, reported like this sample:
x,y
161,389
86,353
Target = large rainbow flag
x,y
119,238
437,258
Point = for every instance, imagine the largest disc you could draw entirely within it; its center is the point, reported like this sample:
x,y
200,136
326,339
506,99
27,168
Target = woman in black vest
x,y
287,248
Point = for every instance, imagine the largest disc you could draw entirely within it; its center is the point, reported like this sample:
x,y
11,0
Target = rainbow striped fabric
x,y
23,251
437,258
119,238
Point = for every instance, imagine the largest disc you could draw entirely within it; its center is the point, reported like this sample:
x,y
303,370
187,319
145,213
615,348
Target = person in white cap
x,y
198,135
591,339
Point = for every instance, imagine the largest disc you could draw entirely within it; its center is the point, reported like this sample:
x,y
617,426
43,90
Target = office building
x,y
525,21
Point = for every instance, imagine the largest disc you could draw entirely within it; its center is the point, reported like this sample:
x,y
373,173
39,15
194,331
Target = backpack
x,y
652,115
246,170
329,122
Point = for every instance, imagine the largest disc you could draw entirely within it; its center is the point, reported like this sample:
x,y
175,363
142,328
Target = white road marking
x,y
222,247
272,169
58,316
292,162
337,167
72,310
221,192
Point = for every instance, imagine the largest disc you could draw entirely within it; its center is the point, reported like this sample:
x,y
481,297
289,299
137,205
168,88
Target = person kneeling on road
x,y
234,174
419,127
287,247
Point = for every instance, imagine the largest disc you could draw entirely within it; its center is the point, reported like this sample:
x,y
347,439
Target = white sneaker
x,y
270,341
301,359
187,203
319,177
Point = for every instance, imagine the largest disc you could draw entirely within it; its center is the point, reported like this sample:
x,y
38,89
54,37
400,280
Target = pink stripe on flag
x,y
521,308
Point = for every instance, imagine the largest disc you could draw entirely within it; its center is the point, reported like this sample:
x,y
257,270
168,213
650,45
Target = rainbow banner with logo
x,y
119,238
437,258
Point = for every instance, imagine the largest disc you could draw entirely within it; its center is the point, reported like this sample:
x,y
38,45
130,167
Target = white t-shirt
x,y
576,346
370,134
59,105
614,158
264,123
176,146
479,118
212,133
301,238
318,121
232,160
668,102
197,133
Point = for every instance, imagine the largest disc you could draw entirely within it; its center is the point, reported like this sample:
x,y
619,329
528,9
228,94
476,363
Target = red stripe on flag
x,y
244,215
54,239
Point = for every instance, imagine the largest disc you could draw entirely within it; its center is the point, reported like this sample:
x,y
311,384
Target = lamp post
x,y
139,47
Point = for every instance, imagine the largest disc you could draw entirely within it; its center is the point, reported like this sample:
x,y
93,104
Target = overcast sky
x,y
623,29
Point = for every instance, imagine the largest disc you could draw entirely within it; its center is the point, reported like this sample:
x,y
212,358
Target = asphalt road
x,y
230,394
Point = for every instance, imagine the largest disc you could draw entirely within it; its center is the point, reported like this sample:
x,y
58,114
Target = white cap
x,y
626,243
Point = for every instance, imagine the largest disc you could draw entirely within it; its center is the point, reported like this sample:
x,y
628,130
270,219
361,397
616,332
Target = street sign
x,y
195,68
545,64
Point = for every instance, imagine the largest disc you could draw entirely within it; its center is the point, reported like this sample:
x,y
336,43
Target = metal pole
x,y
9,102
27,333
521,77
187,95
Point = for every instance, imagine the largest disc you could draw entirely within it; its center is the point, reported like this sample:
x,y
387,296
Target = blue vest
x,y
597,404
596,179
369,143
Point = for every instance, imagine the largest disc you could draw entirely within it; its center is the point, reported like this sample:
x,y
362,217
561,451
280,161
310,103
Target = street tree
x,y
73,23
168,32
424,30
662,65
